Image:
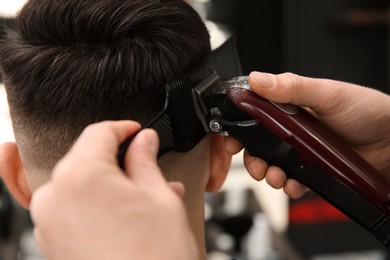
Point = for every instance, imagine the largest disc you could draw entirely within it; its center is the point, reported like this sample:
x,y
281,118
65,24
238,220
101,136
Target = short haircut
x,y
69,63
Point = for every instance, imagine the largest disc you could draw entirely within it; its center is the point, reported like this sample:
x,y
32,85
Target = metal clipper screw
x,y
215,126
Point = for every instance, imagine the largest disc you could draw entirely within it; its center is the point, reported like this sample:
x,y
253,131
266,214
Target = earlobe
x,y
220,162
13,174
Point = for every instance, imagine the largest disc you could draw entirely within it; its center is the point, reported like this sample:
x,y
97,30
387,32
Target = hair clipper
x,y
202,102
289,137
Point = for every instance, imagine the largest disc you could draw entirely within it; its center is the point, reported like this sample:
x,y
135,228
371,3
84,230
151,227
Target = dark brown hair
x,y
69,63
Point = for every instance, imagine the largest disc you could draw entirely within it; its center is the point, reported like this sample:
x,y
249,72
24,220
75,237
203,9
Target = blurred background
x,y
346,40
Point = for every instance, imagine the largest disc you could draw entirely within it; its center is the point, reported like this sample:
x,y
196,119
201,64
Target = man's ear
x,y
220,162
13,174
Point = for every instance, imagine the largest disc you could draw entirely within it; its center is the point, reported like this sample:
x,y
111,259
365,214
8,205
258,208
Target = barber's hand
x,y
91,209
358,114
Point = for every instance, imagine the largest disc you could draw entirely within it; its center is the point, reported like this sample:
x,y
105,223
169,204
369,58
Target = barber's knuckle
x,y
72,174
171,202
337,100
144,165
62,168
292,80
90,129
88,178
97,128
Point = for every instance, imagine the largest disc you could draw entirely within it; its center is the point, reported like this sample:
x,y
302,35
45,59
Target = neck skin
x,y
194,203
193,170
196,219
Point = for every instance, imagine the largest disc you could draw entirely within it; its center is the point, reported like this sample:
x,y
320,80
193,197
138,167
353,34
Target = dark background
x,y
340,39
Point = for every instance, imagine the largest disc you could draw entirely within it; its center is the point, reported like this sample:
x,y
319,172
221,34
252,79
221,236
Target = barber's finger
x,y
256,167
141,159
275,177
295,89
232,146
294,189
100,141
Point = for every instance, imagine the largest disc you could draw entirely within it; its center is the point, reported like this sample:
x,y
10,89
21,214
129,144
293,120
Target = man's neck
x,y
196,219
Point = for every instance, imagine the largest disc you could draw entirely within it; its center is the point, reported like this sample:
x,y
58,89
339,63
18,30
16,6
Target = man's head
x,y
69,63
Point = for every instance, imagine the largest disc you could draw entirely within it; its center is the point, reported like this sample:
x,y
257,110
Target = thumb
x,y
291,88
141,159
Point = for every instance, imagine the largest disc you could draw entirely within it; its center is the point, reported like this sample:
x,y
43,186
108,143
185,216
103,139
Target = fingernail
x,y
262,79
151,140
148,139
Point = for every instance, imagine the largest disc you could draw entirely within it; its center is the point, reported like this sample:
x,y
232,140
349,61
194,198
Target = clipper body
x,y
289,137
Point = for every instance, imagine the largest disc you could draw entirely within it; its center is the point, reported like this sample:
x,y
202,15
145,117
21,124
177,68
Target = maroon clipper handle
x,y
289,137
315,145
